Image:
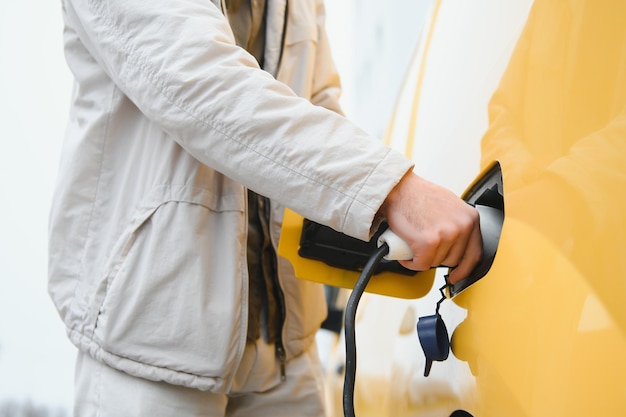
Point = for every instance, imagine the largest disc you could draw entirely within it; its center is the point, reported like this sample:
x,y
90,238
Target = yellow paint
x,y
546,330
523,338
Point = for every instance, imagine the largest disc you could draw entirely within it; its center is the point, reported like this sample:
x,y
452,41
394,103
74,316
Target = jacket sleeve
x,y
177,61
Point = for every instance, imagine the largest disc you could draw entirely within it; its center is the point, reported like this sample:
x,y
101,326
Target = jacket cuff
x,y
362,219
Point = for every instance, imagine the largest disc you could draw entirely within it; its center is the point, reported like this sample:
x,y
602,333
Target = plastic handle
x,y
399,250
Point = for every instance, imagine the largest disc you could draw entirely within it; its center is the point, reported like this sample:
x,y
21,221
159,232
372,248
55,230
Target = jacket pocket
x,y
173,297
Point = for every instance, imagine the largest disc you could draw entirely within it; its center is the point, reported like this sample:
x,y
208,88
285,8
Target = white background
x,y
36,359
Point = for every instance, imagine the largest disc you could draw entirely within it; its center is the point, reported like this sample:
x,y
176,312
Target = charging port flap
x,y
486,194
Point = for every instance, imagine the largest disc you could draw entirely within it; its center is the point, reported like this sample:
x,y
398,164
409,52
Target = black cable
x,y
349,328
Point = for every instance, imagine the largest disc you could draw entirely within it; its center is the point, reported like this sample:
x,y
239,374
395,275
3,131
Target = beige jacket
x,y
169,122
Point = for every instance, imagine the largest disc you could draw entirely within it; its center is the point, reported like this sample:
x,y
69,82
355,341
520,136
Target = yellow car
x,y
539,87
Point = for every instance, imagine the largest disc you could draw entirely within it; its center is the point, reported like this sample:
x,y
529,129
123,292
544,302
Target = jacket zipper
x,y
282,357
281,354
279,294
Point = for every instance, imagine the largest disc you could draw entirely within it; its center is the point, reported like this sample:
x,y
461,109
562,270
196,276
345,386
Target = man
x,y
171,123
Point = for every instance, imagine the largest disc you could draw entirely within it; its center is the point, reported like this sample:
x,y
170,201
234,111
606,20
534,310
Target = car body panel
x,y
539,87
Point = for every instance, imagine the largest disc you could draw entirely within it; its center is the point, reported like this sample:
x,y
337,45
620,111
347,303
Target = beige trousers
x,y
257,390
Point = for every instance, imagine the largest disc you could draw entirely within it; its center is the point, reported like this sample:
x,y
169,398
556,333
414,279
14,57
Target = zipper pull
x,y
282,357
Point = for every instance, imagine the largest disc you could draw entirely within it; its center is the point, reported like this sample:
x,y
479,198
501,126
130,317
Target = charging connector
x,y
399,250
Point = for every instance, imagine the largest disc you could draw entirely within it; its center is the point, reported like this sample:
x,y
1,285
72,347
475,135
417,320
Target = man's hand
x,y
439,227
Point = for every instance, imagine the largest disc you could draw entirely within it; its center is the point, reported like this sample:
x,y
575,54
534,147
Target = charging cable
x,y
431,330
349,327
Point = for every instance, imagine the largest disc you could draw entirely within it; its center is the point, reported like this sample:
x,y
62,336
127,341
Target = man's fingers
x,y
471,257
454,241
424,251
445,246
452,252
